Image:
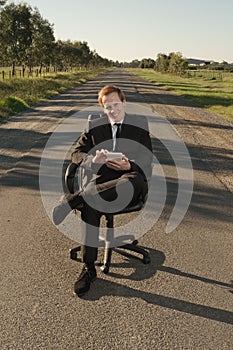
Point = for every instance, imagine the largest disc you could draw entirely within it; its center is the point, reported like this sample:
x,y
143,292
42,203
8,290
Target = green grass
x,y
11,104
210,92
17,94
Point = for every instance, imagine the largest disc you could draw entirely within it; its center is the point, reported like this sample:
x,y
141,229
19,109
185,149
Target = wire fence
x,y
6,73
205,74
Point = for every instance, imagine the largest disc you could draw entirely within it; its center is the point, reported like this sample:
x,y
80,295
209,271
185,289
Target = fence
x,y
206,74
6,72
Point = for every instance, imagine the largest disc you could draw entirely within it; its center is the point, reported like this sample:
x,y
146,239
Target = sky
x,y
125,30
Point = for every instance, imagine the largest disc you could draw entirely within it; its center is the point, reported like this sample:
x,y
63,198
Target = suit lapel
x,y
126,126
107,130
102,132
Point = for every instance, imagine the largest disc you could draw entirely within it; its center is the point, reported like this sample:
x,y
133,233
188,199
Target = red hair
x,y
108,89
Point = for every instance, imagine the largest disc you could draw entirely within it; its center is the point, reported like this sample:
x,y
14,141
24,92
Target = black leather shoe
x,y
87,276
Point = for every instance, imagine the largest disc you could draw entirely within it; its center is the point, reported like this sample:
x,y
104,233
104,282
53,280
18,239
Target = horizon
x,y
128,31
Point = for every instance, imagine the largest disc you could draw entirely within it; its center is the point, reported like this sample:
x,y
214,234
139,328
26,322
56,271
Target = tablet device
x,y
114,156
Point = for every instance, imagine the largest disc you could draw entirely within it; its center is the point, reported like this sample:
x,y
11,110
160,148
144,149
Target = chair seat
x,y
130,208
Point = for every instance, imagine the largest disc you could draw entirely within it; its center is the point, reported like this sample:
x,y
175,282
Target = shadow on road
x,y
110,288
206,201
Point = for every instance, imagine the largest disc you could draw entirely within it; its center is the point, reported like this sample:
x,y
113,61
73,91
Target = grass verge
x,y
213,94
18,94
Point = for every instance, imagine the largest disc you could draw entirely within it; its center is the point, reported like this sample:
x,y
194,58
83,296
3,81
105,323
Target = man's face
x,y
114,107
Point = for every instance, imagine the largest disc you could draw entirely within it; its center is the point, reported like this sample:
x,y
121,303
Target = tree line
x,y
173,63
27,40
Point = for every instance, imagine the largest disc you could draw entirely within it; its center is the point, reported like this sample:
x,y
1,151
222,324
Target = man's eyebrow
x,y
112,103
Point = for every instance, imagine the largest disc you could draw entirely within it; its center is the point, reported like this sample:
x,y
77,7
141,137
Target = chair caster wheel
x,y
104,269
73,255
146,260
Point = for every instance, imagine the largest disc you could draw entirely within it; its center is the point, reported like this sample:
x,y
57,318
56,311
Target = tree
x,y
70,54
2,3
15,33
162,63
86,54
67,54
147,63
42,49
177,64
133,64
25,37
98,61
173,63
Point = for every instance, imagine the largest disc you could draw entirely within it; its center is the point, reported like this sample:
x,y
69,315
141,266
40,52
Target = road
x,y
182,300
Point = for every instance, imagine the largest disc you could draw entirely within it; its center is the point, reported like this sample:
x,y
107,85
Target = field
x,y
17,94
213,91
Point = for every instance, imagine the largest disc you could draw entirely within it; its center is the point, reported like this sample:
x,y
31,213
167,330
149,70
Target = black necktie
x,y
118,129
118,125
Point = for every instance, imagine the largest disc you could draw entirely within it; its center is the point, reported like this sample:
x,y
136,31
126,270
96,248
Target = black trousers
x,y
108,191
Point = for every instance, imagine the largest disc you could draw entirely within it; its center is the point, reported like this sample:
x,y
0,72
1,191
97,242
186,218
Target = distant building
x,y
193,62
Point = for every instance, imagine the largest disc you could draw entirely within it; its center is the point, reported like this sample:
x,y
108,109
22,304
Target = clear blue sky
x,y
124,30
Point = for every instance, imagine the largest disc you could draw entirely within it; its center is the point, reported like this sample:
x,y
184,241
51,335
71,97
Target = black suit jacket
x,y
134,142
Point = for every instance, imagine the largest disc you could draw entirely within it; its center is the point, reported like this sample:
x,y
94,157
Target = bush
x,y
13,104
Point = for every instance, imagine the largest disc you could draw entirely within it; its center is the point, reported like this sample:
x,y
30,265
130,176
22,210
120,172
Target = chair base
x,y
73,252
108,253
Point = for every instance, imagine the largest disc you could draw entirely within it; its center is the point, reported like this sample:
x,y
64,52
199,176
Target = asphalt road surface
x,y
182,300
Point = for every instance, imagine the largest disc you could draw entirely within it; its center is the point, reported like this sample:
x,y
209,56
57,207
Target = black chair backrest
x,y
71,170
70,176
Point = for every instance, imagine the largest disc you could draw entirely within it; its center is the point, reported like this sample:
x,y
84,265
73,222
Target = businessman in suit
x,y
119,132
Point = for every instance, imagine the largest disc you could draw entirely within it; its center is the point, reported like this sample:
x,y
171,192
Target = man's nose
x,y
112,109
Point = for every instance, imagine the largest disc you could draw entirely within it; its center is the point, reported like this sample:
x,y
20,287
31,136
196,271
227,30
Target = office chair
x,y
74,174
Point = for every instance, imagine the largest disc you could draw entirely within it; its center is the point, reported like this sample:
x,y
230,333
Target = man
x,y
114,131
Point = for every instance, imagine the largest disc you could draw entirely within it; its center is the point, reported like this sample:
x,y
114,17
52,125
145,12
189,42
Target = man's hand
x,y
100,157
119,165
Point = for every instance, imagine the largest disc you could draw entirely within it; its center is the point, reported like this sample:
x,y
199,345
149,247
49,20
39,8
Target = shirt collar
x,y
112,122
